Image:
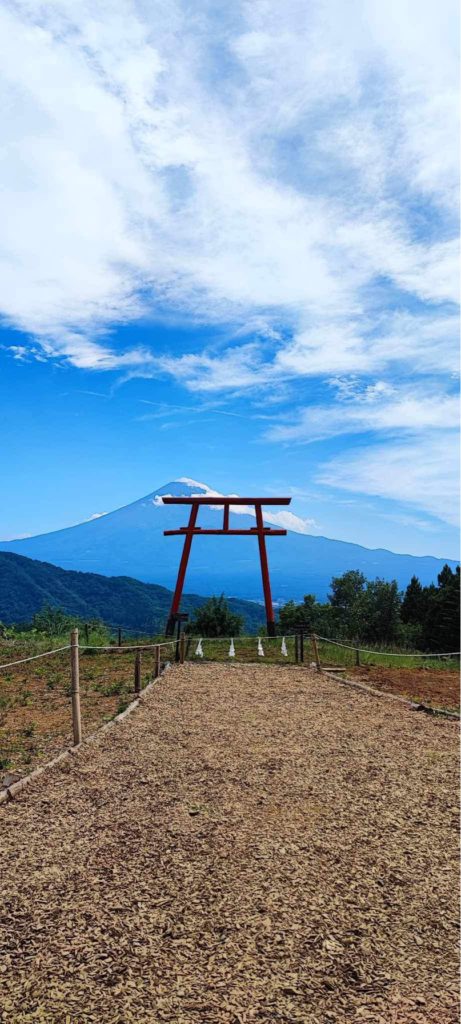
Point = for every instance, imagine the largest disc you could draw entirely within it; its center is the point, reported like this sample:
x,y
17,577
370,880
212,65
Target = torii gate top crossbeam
x,y
191,530
200,499
227,503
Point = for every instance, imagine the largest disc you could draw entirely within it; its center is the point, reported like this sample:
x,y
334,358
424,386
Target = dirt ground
x,y
253,844
35,703
438,689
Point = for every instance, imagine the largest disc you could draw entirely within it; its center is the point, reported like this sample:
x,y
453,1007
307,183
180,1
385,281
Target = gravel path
x,y
253,844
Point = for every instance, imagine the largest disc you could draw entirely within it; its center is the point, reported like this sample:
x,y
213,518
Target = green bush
x,y
215,618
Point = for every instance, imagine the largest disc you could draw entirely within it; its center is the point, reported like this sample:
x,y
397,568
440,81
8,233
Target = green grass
x,y
332,654
30,643
111,689
246,649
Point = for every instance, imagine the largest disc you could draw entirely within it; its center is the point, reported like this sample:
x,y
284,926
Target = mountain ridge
x,y
129,541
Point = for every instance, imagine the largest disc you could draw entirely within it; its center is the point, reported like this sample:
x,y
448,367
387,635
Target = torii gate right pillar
x,y
270,618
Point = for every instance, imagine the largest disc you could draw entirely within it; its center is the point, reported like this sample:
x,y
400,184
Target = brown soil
x,y
35,705
250,845
438,689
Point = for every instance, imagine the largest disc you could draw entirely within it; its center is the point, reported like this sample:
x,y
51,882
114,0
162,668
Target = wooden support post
x,y
316,652
137,673
296,648
157,661
75,688
357,656
119,638
182,648
87,633
301,648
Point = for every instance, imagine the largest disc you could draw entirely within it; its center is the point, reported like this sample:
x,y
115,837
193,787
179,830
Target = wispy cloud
x,y
377,408
420,472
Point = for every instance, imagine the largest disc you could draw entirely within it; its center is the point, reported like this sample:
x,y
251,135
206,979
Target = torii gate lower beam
x,y
191,530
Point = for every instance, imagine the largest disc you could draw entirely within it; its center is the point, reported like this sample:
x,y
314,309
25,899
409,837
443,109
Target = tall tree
x,y
442,632
414,604
215,618
381,609
347,598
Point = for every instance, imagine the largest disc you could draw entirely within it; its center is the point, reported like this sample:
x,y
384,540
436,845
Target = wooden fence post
x,y
157,661
301,648
137,673
119,638
296,648
182,648
357,656
75,688
316,652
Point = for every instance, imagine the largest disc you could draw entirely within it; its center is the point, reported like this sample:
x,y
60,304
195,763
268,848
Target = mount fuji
x,y
130,542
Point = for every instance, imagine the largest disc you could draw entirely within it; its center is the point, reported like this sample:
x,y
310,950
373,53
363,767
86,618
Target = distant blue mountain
x,y
130,542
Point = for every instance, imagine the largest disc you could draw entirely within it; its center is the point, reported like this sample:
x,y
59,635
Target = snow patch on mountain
x,y
284,520
194,483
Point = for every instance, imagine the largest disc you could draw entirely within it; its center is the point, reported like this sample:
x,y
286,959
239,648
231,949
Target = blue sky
x,y
229,253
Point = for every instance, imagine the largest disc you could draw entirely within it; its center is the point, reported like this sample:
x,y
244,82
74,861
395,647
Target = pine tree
x,y
414,603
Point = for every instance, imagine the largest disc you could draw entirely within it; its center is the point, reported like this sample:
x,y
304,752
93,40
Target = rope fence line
x,y
126,647
388,654
259,640
89,647
46,654
177,648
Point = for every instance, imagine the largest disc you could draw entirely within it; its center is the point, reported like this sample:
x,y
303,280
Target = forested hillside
x,y
26,586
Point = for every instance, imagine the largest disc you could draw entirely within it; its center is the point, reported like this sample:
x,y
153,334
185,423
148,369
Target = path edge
x,y
9,792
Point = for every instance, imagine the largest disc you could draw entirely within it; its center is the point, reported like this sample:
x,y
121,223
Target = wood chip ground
x,y
253,844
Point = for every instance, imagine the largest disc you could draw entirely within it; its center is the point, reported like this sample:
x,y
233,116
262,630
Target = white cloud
x,y
95,515
138,177
234,368
422,473
376,408
425,344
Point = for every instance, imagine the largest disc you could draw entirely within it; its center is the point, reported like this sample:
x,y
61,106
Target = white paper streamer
x,y
199,649
260,648
232,649
284,648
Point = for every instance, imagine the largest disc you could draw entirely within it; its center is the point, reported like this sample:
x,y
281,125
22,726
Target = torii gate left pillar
x,y
191,530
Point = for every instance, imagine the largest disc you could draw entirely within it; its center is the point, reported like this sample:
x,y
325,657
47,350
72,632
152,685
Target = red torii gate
x,y
191,530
